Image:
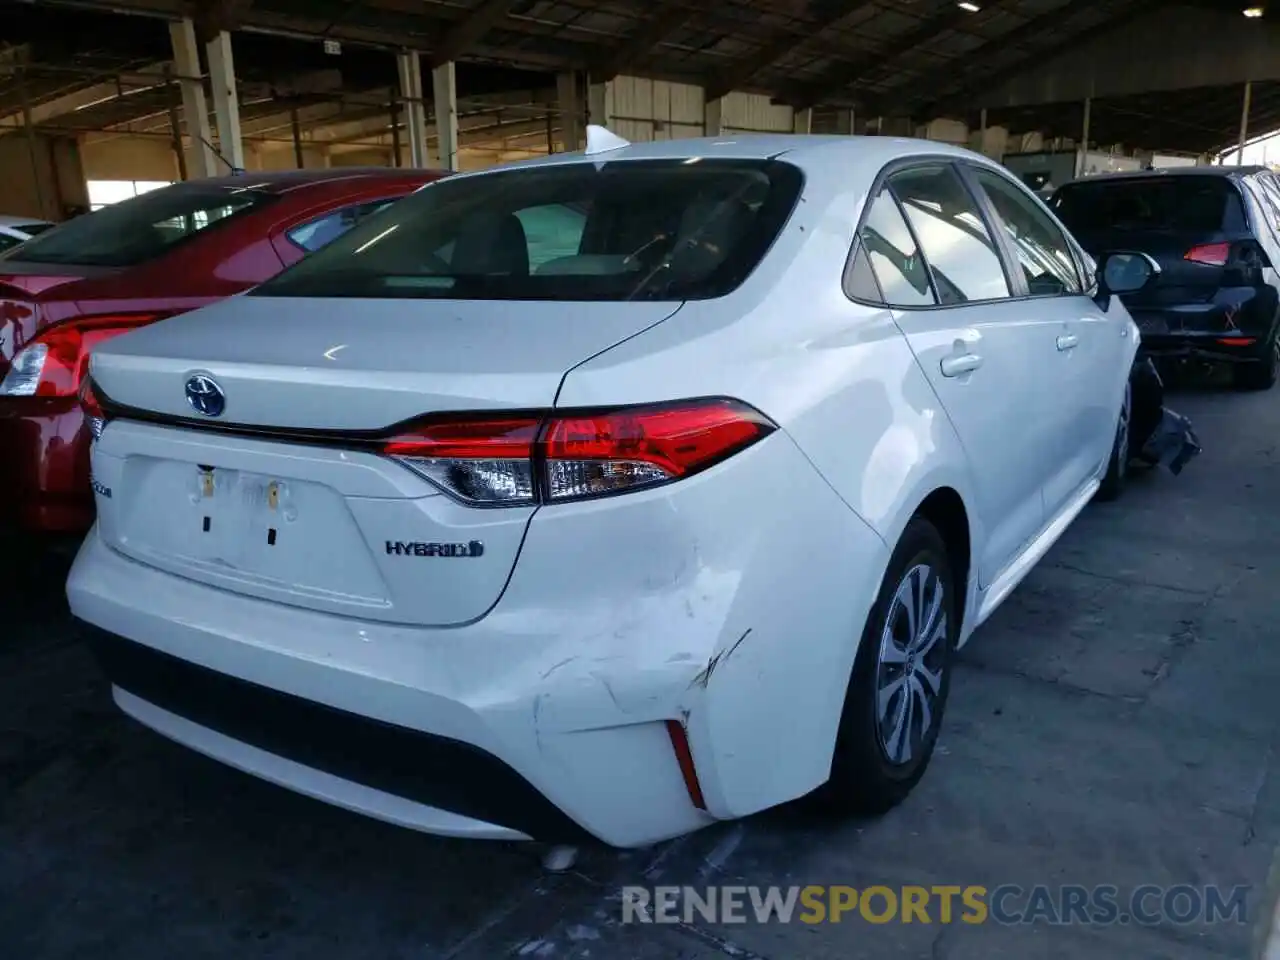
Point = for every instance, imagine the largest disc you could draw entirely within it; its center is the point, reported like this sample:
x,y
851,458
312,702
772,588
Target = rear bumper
x,y
1234,326
714,603
1229,348
44,467
449,785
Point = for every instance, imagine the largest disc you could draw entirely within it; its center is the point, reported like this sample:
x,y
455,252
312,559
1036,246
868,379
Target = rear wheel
x,y
1260,374
898,690
1118,464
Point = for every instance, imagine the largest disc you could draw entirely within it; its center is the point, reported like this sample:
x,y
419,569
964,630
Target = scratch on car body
x,y
704,676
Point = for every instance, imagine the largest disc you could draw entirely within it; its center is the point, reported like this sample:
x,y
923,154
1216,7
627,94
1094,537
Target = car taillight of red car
x,y
54,362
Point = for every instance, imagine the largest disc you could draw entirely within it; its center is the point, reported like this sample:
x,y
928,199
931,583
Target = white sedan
x,y
606,495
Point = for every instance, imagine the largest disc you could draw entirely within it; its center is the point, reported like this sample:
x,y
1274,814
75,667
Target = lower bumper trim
x,y
431,770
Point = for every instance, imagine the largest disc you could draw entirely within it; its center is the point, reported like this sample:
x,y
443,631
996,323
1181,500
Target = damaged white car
x,y
609,494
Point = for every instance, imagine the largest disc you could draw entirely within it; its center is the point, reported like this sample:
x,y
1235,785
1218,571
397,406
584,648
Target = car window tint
x,y
323,230
960,251
1041,247
552,231
640,229
144,227
7,241
1171,203
895,259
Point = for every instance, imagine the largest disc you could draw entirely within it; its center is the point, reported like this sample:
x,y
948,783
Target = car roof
x,y
283,181
805,148
1165,172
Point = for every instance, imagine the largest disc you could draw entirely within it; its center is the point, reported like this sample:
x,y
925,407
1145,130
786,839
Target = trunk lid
x,y
22,286
331,526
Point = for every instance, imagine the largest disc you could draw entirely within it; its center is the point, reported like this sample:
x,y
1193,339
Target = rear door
x,y
1093,348
944,277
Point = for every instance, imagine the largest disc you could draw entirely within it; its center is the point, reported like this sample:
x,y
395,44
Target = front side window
x,y
630,229
1041,248
953,238
895,258
134,231
314,234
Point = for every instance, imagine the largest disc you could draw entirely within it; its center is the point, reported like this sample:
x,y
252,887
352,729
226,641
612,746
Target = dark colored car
x,y
133,263
1215,232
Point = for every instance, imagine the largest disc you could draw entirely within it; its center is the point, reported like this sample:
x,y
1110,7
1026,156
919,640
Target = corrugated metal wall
x,y
754,113
656,109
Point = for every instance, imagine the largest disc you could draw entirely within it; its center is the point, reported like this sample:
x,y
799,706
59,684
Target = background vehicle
x,y
1215,231
154,256
537,505
16,230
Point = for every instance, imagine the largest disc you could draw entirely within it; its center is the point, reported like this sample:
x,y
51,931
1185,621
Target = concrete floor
x,y
1116,722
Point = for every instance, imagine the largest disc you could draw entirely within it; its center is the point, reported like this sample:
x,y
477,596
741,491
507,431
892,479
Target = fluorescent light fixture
x,y
1251,12
971,7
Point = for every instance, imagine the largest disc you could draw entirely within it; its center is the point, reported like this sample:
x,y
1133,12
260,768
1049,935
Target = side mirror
x,y
1124,271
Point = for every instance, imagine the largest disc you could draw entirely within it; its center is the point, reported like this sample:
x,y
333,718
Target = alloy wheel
x,y
911,662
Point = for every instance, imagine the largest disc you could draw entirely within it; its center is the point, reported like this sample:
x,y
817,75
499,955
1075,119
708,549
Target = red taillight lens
x,y
1210,254
94,415
54,362
482,461
567,455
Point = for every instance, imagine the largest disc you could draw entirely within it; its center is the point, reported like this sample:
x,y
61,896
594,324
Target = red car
x,y
142,260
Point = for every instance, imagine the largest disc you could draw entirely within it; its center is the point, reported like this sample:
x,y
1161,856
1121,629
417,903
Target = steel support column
x,y
186,62
1244,121
1082,155
802,121
444,89
415,113
570,109
226,102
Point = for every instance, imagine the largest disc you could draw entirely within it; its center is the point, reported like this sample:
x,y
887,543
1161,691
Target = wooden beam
x,y
741,73
467,32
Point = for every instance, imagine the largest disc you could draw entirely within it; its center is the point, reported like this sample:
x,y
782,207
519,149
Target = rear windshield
x,y
139,229
1193,205
630,229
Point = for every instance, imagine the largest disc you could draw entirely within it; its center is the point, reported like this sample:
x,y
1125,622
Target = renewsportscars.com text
x,y
1007,904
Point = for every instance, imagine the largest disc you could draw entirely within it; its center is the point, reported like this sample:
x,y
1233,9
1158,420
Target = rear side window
x,y
1170,204
895,258
952,235
324,230
31,229
142,228
630,229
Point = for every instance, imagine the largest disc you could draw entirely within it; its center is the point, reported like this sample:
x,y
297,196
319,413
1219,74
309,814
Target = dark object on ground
x,y
1157,435
1172,443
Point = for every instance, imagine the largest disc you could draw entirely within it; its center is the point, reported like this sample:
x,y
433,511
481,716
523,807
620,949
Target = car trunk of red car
x,y
26,305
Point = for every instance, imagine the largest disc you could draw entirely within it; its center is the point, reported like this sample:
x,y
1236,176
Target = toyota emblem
x,y
205,396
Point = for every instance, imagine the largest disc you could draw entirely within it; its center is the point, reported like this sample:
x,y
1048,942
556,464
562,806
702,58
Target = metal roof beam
x,y
848,75
664,22
971,80
740,74
465,34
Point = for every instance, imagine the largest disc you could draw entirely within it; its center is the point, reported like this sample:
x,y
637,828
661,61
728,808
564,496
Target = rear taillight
x,y
94,415
54,362
1210,254
569,455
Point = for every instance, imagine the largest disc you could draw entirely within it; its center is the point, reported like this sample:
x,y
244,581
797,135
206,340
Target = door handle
x,y
1068,341
956,366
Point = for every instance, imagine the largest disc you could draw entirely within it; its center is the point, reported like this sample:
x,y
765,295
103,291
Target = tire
x,y
1113,480
1260,374
878,759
